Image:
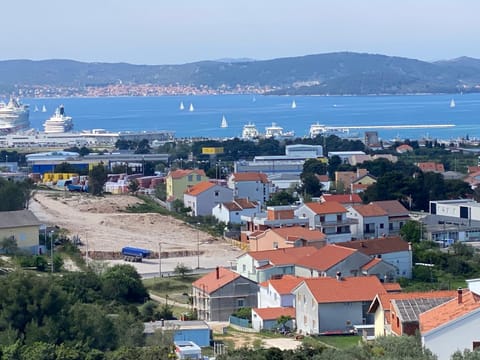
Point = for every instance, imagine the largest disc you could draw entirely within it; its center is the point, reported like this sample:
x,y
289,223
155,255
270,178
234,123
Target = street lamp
x,y
160,259
198,245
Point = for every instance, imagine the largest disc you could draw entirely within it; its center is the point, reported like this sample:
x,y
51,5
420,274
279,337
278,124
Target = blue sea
x,y
163,113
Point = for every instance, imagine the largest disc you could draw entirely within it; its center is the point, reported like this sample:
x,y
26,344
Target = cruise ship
x,y
59,122
13,116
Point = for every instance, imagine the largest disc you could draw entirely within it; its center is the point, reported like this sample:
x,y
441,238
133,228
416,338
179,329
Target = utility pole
x,y
198,245
160,259
51,250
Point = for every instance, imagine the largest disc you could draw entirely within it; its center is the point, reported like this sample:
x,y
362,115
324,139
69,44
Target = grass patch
x,y
338,342
175,287
148,206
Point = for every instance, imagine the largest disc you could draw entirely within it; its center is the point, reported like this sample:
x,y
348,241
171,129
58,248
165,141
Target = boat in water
x,y
342,132
191,109
14,116
44,108
224,123
182,107
452,103
249,132
36,109
276,132
294,104
59,122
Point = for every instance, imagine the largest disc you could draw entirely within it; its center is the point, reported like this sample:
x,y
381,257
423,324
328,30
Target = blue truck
x,y
134,254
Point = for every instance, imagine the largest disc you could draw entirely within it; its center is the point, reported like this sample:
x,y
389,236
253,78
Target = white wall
x,y
268,297
401,260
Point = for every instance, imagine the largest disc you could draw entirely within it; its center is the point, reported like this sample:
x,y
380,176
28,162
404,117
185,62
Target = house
x,y
23,226
267,318
197,331
371,221
204,196
187,350
382,305
334,259
275,216
361,183
285,237
404,148
260,266
221,292
178,181
398,215
231,212
333,305
344,199
391,249
328,217
452,325
431,166
277,292
252,185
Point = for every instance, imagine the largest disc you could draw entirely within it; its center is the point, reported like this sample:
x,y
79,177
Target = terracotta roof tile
x,y
392,207
199,188
274,312
371,263
325,257
240,204
178,174
283,256
342,198
209,283
384,245
332,207
285,285
369,210
449,311
392,287
431,166
250,176
350,289
299,232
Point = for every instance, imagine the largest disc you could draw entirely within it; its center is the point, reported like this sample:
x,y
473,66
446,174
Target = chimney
x,y
218,272
339,276
459,295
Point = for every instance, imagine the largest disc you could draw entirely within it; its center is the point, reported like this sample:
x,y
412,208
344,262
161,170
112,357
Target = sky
x,y
183,31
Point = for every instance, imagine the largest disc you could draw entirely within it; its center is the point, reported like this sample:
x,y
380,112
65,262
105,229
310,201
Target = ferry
x,y
320,129
59,122
250,132
277,132
14,116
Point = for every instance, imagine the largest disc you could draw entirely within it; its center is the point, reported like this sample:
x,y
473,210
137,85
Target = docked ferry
x,y
14,116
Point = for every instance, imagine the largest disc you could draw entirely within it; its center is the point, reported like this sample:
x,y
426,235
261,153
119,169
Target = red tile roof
x,y
342,199
285,285
449,311
431,166
250,176
199,188
299,232
209,283
350,289
332,207
392,287
274,312
240,204
283,256
326,257
178,174
384,245
371,263
369,210
392,207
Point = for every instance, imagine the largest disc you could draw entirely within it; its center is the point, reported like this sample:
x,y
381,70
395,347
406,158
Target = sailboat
x,y
36,108
294,104
191,107
452,103
182,107
224,123
44,108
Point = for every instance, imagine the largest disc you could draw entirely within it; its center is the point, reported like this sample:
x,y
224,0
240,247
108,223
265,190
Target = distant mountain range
x,y
340,73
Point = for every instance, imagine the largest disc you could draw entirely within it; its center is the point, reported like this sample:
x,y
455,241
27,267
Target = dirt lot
x,y
101,223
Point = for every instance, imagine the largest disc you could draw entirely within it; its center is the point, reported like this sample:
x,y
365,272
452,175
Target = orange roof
x,y
392,207
250,176
199,188
371,263
331,207
326,257
299,232
178,174
350,289
449,311
431,166
342,198
392,287
210,283
282,256
383,245
285,285
274,312
369,210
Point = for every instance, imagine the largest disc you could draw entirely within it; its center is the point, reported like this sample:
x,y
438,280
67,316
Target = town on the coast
x,y
274,241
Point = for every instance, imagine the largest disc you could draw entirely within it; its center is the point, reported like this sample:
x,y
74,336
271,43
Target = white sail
x,y
182,107
294,104
36,108
452,103
191,107
224,123
44,108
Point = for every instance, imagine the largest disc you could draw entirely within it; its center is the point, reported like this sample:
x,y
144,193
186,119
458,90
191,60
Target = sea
x,y
164,113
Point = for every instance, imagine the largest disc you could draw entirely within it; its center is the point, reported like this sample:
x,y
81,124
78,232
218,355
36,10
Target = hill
x,y
332,73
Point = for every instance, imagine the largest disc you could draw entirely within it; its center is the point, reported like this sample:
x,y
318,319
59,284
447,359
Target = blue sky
x,y
181,31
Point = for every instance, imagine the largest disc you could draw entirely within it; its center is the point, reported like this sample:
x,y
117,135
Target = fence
x,y
239,322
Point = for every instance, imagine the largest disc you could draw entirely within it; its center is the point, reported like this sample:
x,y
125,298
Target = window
x,y
199,178
390,226
275,245
475,345
216,193
244,268
339,217
381,226
322,218
240,303
190,177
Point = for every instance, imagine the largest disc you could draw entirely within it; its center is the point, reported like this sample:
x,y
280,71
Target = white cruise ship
x,y
13,116
59,122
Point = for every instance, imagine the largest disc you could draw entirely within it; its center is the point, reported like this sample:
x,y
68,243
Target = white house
x,y
232,211
277,292
372,221
204,196
250,185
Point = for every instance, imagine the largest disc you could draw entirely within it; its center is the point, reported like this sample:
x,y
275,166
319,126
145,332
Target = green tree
x,y
97,178
412,231
15,195
123,283
9,245
133,186
281,198
182,270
